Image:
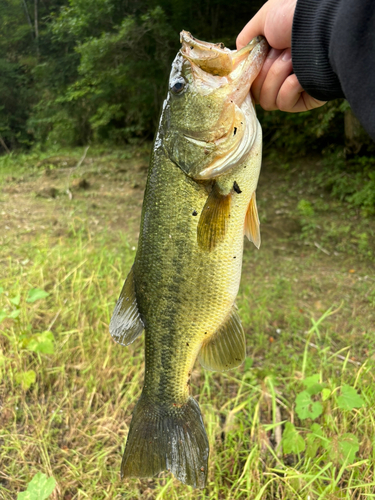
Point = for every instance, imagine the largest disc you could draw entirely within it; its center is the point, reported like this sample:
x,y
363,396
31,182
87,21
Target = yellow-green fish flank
x,y
199,203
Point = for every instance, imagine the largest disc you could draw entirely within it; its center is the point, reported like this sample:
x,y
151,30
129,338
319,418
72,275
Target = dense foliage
x,y
74,72
87,70
81,71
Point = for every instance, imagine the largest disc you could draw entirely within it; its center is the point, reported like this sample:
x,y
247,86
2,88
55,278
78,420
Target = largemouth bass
x,y
198,204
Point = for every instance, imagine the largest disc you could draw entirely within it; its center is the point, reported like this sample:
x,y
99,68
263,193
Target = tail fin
x,y
167,438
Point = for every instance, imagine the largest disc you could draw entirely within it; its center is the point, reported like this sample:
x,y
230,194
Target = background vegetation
x,y
79,71
81,83
83,72
295,422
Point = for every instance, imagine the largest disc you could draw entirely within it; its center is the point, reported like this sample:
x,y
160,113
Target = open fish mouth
x,y
209,117
214,58
214,66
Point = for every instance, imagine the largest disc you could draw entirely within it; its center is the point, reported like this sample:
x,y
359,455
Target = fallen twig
x,y
321,248
68,191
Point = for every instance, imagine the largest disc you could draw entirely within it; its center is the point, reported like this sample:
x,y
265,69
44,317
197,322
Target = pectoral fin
x,y
126,324
251,229
213,221
226,348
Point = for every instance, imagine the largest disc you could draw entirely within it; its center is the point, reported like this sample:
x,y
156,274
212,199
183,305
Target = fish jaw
x,y
211,125
213,58
214,66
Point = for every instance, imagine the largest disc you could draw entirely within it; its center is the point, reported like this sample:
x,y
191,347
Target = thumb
x,y
274,21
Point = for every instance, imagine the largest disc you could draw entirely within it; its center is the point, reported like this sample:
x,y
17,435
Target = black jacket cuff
x,y
313,24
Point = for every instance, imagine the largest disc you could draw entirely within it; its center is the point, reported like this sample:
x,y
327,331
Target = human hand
x,y
276,86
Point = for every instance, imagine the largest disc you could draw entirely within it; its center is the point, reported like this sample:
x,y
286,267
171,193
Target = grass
x,y
307,313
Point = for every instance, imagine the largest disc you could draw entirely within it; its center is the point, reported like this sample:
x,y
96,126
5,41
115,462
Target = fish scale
x,y
186,274
183,308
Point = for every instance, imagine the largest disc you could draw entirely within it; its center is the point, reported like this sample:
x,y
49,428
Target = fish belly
x,y
183,292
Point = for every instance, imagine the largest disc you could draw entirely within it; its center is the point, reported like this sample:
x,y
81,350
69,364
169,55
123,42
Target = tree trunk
x,y
2,142
354,133
36,26
28,18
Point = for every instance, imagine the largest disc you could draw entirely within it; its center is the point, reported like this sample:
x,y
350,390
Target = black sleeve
x,y
333,53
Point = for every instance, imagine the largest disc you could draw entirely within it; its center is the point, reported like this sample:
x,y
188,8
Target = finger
x,y
277,74
293,99
256,87
278,23
274,21
253,28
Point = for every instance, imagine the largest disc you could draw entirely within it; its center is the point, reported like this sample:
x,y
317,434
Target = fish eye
x,y
178,86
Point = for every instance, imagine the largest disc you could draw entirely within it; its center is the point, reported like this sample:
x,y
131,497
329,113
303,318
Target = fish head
x,y
209,123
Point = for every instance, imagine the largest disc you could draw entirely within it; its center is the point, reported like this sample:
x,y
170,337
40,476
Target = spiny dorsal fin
x,y
251,229
226,349
213,221
126,324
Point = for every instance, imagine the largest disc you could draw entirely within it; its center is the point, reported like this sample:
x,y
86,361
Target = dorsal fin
x,y
251,229
126,324
226,348
213,222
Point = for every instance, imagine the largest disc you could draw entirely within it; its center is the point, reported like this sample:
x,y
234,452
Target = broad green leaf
x,y
349,398
343,448
39,488
42,342
14,314
26,379
306,407
314,389
312,380
312,384
349,446
36,294
25,495
16,300
314,440
1,289
292,441
326,394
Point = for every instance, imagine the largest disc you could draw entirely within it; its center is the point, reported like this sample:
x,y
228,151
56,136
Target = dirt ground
x,y
317,255
320,257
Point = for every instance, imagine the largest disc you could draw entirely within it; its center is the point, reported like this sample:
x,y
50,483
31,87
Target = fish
x,y
199,203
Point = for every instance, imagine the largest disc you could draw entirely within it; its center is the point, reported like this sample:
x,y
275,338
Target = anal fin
x,y
126,324
251,229
226,348
213,222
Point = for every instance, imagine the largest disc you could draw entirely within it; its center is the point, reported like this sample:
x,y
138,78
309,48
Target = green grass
x,y
305,313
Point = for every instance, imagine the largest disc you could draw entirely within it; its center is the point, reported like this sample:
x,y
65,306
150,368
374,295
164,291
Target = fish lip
x,y
215,58
188,38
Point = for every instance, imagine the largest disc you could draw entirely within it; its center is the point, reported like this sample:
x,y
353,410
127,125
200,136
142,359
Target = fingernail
x,y
287,56
273,54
